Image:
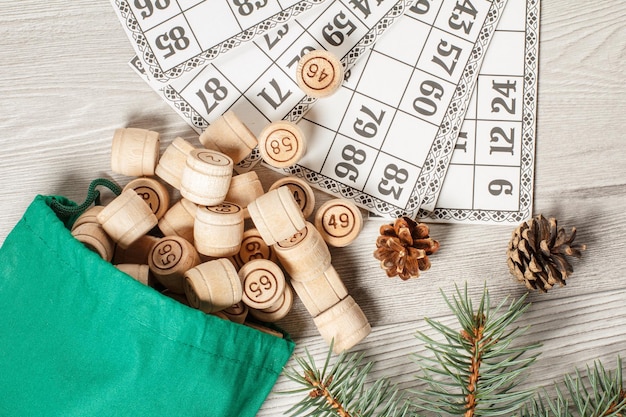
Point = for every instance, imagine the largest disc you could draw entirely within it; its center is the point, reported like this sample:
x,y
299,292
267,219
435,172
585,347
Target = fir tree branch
x,y
340,390
596,393
475,371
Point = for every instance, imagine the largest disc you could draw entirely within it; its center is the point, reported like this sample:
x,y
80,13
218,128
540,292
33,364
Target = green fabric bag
x,y
80,338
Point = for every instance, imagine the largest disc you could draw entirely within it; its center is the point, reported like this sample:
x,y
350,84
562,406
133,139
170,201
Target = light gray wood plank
x,y
65,87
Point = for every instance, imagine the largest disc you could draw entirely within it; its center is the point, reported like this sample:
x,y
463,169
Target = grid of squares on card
x,y
258,81
174,36
490,176
370,141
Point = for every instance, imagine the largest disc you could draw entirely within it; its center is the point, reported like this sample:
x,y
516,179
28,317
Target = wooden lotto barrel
x,y
345,323
170,258
263,283
302,193
276,215
93,236
253,247
179,220
172,163
230,136
321,293
213,286
127,218
138,272
206,177
339,221
282,144
276,311
319,73
88,230
89,216
305,255
137,252
244,189
218,229
153,192
135,152
237,312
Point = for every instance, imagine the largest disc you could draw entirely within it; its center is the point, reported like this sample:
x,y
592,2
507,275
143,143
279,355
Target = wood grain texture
x,y
66,86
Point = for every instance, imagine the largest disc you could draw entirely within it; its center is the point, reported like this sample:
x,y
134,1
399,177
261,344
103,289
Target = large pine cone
x,y
403,248
537,253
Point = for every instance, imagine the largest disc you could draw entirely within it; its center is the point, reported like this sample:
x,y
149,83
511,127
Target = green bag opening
x,y
78,337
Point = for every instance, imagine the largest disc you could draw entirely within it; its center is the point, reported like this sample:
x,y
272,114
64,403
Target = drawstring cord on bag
x,y
71,212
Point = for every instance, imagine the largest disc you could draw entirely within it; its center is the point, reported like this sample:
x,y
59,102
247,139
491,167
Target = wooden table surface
x,y
65,86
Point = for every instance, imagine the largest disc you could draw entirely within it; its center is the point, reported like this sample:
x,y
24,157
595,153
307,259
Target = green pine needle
x,y
342,389
475,370
594,393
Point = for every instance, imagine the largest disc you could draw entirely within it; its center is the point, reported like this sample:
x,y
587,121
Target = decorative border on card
x,y
527,161
437,161
152,65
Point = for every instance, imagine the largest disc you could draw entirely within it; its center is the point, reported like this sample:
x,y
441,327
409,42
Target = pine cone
x,y
403,248
537,253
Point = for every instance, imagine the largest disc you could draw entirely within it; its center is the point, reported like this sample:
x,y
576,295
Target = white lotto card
x,y
490,176
172,37
381,140
258,80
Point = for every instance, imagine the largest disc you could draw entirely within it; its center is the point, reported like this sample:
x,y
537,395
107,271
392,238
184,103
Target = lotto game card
x,y
258,80
490,177
382,139
172,37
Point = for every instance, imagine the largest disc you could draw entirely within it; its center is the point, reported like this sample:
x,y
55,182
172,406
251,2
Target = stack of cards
x,y
436,115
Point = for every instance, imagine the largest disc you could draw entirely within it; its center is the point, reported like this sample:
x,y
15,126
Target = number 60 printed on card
x,y
491,173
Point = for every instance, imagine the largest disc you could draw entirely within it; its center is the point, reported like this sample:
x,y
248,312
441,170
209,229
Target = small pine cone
x,y
403,248
537,253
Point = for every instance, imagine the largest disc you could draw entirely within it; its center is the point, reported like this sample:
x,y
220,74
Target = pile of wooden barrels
x,y
199,250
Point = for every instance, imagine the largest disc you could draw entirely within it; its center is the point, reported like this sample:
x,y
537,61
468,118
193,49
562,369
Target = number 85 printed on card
x,y
172,37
